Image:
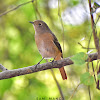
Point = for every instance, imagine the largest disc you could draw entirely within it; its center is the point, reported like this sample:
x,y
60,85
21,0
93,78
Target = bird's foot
x,y
38,63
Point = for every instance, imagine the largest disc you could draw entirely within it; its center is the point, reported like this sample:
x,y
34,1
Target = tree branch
x,y
6,12
36,68
96,39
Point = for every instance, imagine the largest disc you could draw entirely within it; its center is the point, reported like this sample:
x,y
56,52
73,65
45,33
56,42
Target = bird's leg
x,y
53,61
39,62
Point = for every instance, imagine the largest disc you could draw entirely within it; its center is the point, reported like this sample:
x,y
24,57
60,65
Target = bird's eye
x,y
40,24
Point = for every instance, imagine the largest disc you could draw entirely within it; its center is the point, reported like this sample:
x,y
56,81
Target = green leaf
x,y
87,79
79,58
98,76
96,5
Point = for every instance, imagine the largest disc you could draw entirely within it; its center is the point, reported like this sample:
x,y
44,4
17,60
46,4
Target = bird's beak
x,y
31,22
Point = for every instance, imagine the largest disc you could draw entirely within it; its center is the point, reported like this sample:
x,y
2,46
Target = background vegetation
x,y
70,21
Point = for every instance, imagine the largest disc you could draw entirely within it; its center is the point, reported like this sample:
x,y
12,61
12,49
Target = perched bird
x,y
47,43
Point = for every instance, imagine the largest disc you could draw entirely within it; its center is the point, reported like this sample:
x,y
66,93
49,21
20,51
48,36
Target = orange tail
x,y
62,70
63,73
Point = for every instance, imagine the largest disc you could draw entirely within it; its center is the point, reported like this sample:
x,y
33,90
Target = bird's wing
x,y
57,43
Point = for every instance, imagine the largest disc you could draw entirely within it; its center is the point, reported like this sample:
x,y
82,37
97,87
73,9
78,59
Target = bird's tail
x,y
62,70
63,73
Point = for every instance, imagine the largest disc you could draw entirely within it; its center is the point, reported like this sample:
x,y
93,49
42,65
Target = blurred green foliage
x,y
18,50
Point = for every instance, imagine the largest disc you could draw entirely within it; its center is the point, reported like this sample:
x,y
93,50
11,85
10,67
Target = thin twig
x,y
97,19
89,86
6,12
89,92
3,68
37,11
89,42
85,47
34,7
92,23
61,23
57,83
74,91
96,39
98,72
59,88
93,72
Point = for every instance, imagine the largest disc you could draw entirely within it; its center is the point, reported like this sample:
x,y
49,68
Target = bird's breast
x,y
46,46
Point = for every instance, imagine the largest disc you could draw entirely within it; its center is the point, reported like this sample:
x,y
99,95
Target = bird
x,y
48,44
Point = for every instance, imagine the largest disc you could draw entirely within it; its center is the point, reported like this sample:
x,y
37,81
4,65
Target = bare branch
x,y
59,88
57,83
6,12
3,68
84,47
74,91
96,39
61,21
35,68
